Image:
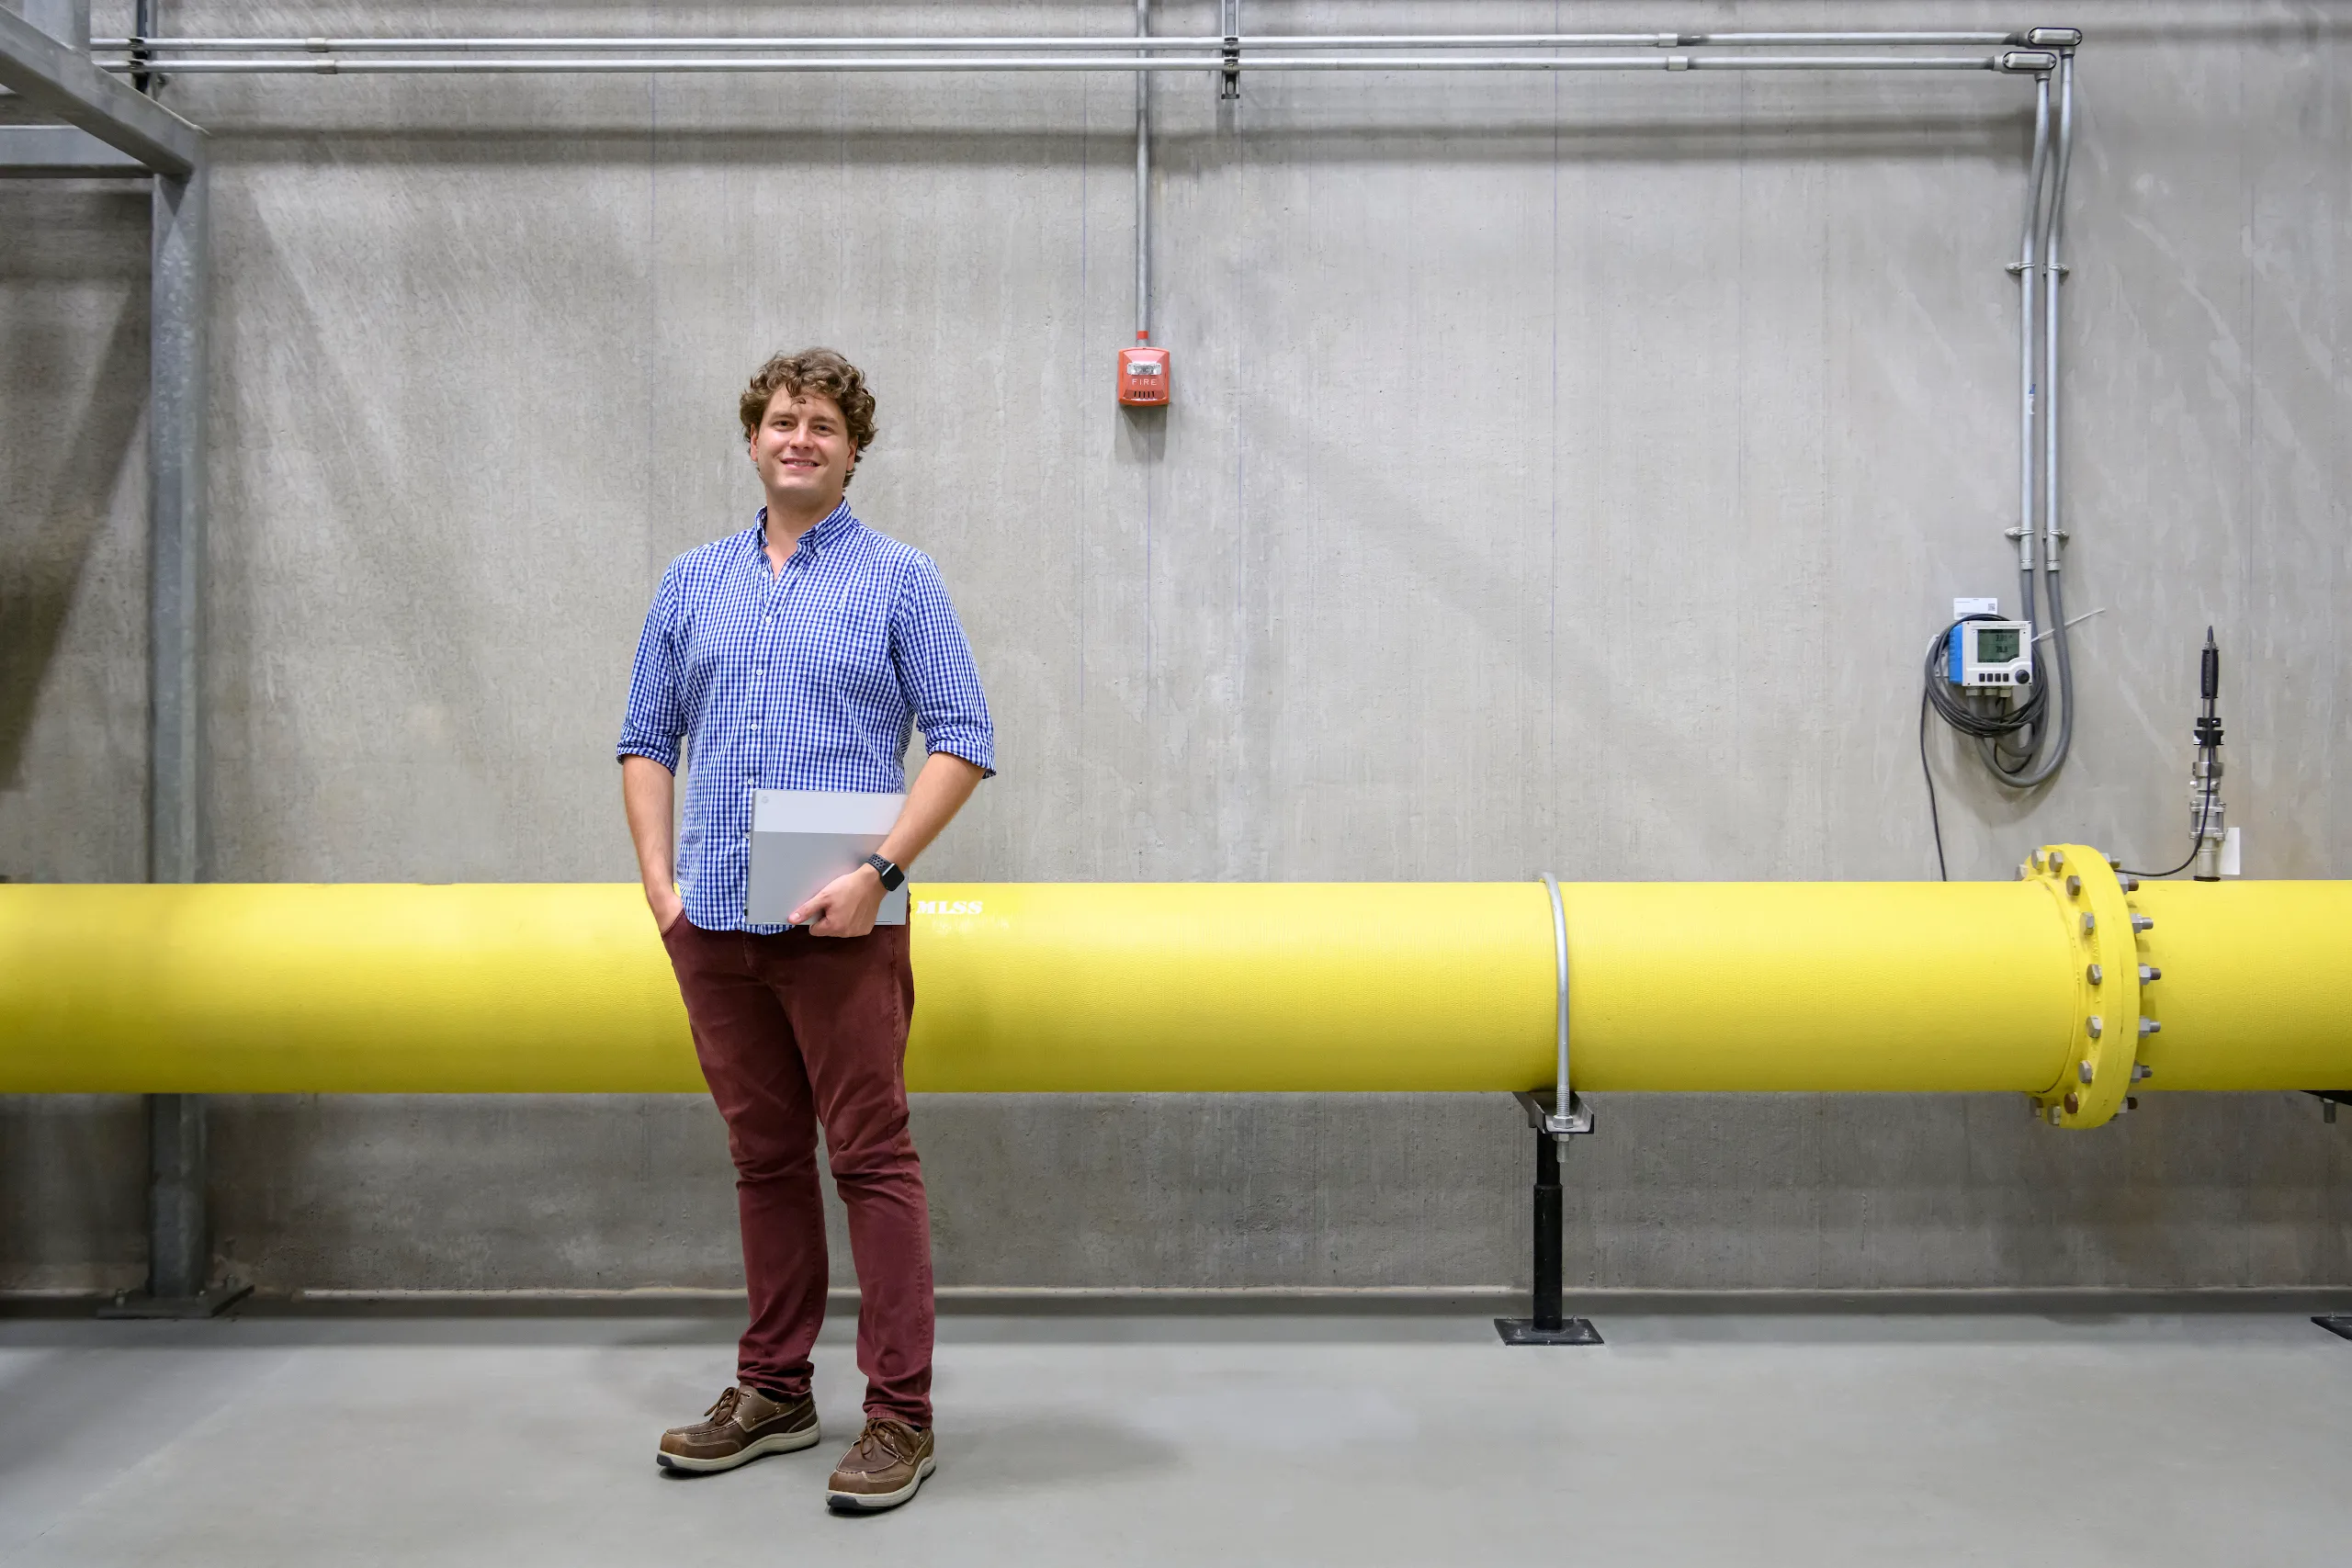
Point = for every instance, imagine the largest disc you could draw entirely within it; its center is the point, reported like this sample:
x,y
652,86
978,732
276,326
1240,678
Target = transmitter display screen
x,y
1996,647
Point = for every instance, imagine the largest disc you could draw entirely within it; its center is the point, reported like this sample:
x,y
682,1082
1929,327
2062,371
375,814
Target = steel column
x,y
178,1239
178,298
67,21
178,1250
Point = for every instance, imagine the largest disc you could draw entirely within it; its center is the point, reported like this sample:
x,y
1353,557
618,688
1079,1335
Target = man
x,y
797,655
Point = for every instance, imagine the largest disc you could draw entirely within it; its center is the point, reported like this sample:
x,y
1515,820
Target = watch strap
x,y
892,877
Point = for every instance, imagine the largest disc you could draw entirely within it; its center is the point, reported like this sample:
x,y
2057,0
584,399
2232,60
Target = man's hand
x,y
844,907
647,794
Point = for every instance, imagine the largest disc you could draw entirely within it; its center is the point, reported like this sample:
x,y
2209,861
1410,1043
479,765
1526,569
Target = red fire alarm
x,y
1143,374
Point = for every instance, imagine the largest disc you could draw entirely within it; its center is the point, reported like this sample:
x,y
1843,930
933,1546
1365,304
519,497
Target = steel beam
x,y
57,79
60,151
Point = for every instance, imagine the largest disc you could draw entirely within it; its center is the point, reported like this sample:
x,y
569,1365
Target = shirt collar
x,y
834,524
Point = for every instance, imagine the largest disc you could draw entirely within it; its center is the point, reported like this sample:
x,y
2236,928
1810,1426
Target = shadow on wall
x,y
63,273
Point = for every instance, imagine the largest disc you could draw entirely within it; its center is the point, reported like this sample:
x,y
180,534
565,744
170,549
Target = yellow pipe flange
x,y
2103,1050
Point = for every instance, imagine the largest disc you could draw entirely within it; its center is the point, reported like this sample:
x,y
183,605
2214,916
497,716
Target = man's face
x,y
802,447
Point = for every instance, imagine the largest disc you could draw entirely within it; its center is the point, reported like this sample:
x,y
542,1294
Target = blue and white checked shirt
x,y
807,678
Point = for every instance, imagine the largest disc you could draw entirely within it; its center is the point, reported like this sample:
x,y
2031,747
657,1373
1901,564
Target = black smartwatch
x,y
892,877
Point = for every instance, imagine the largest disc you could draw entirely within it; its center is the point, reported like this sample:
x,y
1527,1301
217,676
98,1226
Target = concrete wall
x,y
1563,474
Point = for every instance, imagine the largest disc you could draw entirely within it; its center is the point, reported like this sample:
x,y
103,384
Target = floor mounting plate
x,y
1522,1331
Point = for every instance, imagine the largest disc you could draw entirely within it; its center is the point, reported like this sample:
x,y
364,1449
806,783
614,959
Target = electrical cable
x,y
1935,820
2209,740
2197,842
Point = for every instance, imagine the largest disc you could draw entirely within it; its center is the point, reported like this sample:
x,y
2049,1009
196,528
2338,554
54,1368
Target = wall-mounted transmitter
x,y
1992,655
1143,374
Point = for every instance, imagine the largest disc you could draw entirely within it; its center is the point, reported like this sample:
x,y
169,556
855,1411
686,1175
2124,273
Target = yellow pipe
x,y
1216,986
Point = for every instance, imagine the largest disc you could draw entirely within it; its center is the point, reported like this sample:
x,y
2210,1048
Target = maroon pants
x,y
797,1031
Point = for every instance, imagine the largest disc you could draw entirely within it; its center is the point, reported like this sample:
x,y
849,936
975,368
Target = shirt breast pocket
x,y
852,643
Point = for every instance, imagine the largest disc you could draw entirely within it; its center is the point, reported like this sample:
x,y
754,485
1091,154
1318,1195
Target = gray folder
x,y
802,839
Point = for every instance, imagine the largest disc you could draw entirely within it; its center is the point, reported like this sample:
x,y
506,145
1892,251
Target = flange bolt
x,y
2057,858
2082,1071
2142,923
2090,923
2093,1024
2095,974
2073,888
2142,1072
2073,1102
2150,1026
2130,884
2149,972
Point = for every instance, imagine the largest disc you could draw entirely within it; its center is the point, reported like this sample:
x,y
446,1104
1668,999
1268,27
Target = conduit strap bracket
x,y
2104,1037
1564,1116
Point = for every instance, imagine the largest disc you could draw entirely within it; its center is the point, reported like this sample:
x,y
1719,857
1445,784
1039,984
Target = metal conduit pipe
x,y
333,65
2028,270
2053,144
878,45
1143,180
2070,984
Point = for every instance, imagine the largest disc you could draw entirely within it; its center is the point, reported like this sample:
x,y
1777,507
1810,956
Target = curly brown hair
x,y
822,371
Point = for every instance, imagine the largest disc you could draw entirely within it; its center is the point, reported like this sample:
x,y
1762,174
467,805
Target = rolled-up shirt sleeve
x,y
656,718
936,671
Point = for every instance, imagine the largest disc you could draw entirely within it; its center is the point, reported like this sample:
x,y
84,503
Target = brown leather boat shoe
x,y
742,1426
882,1469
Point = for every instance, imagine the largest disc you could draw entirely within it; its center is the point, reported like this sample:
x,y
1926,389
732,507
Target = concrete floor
x,y
1756,1438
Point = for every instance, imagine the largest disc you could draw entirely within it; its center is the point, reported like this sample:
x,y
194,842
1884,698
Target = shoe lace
x,y
895,1438
725,1409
